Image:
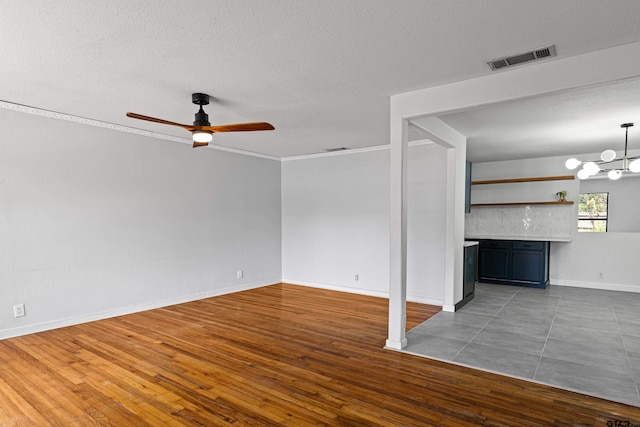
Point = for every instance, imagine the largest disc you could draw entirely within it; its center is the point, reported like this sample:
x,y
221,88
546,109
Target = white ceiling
x,y
581,121
320,71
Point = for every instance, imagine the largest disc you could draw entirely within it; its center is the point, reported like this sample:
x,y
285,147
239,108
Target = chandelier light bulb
x,y
583,174
615,174
608,155
591,168
572,163
635,166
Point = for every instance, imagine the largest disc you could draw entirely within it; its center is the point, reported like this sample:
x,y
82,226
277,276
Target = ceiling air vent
x,y
509,61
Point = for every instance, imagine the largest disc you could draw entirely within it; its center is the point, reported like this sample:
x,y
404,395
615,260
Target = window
x,y
592,212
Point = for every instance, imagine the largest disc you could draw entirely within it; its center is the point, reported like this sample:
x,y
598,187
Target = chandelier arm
x,y
602,162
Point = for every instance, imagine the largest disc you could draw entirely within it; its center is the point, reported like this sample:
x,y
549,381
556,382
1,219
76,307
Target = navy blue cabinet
x,y
469,274
494,259
467,188
514,262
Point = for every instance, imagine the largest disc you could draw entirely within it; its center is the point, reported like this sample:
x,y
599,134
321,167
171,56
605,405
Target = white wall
x,y
95,223
579,262
335,214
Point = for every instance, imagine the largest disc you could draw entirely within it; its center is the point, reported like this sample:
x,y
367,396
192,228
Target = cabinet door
x,y
528,266
494,263
470,256
467,188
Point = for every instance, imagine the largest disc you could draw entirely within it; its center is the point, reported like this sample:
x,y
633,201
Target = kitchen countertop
x,y
529,238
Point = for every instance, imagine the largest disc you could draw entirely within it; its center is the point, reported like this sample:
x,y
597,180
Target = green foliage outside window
x,y
592,212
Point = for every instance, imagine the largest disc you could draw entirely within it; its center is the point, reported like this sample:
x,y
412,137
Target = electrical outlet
x,y
357,277
239,274
18,310
600,276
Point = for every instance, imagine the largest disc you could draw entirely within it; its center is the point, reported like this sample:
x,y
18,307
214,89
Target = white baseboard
x,y
595,285
361,291
135,308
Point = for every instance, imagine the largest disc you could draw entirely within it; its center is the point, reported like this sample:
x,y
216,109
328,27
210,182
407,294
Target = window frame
x,y
604,218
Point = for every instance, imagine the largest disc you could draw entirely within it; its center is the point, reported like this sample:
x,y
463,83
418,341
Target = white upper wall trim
x,y
352,151
120,128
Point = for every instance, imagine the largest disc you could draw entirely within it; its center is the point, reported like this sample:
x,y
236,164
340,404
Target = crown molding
x,y
120,128
352,151
127,129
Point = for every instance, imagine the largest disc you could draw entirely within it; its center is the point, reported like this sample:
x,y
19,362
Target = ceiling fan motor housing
x,y
202,119
200,98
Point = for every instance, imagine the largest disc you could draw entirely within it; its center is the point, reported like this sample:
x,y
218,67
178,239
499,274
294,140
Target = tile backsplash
x,y
541,222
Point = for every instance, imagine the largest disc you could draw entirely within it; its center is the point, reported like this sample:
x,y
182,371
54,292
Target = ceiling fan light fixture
x,y
202,136
201,130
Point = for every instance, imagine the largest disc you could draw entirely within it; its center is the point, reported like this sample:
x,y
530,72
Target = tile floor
x,y
584,340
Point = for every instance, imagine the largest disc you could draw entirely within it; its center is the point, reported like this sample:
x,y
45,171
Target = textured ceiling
x,y
321,71
581,121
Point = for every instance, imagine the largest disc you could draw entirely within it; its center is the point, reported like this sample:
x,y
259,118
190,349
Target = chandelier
x,y
592,168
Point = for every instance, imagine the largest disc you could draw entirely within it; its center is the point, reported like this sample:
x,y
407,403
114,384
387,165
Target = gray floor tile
x,y
625,300
628,318
587,311
587,295
532,327
585,335
563,318
590,353
596,381
536,297
631,343
634,361
492,299
519,308
481,308
453,331
550,290
510,362
627,329
589,338
461,318
433,346
510,341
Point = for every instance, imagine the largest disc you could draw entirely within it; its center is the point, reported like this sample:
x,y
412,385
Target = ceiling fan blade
x,y
155,120
199,144
239,127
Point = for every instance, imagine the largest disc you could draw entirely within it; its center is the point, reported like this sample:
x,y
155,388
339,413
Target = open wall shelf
x,y
566,202
520,180
535,179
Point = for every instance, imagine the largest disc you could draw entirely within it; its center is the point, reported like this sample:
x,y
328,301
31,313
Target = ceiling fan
x,y
201,130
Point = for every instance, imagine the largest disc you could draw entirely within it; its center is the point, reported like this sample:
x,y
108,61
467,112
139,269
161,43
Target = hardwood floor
x,y
278,355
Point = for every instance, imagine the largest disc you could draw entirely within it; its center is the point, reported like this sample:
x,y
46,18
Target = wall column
x,y
398,234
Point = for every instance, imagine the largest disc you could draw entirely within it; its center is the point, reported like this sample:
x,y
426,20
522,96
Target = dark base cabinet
x,y
514,262
469,275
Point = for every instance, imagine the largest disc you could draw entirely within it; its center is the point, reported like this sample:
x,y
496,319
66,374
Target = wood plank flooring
x,y
278,355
